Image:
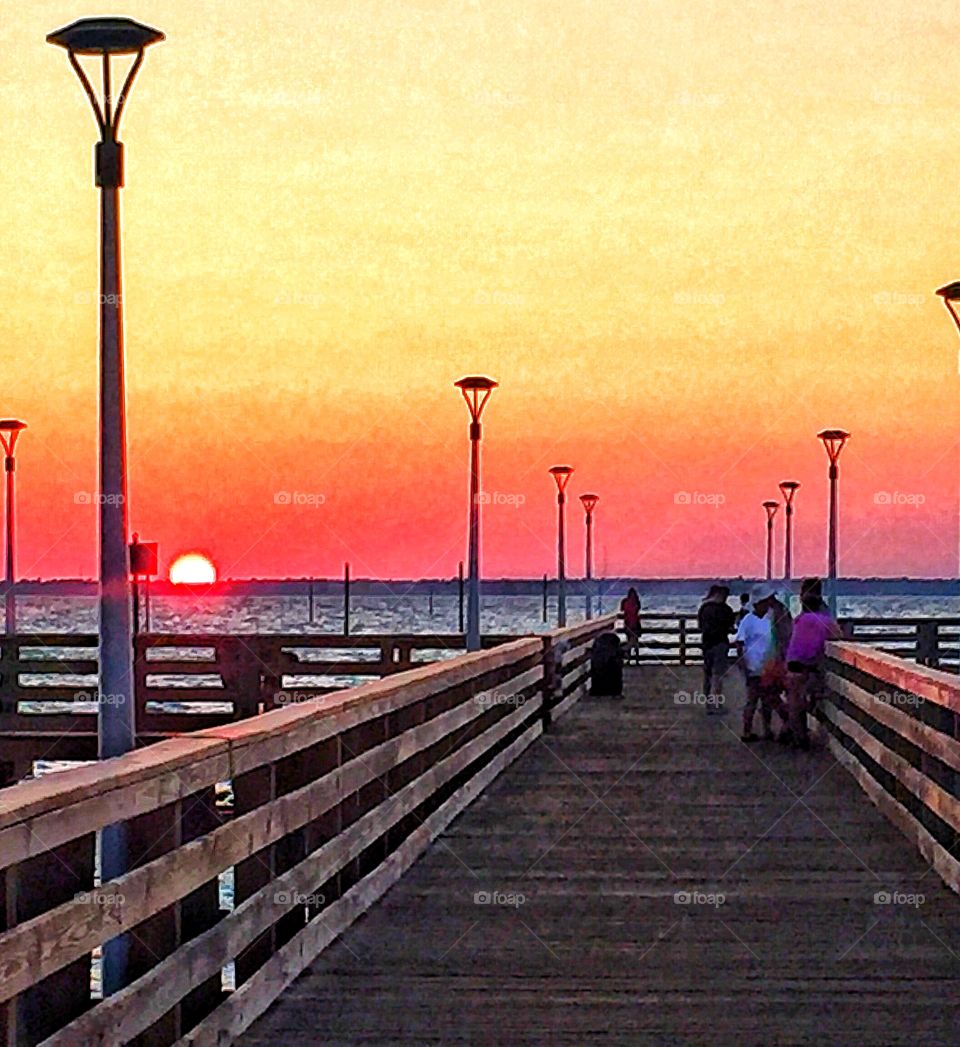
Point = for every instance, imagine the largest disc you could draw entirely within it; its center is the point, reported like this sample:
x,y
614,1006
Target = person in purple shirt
x,y
805,658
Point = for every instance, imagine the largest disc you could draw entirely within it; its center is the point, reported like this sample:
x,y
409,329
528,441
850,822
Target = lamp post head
x,y
562,474
950,292
771,508
10,429
589,502
476,391
105,36
833,441
788,488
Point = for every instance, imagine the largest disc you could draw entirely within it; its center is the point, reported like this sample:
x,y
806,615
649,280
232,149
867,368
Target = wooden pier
x,y
624,871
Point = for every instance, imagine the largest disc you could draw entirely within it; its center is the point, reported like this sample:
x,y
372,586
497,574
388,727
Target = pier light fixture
x,y
476,390
109,39
833,441
950,293
771,508
589,503
10,430
561,474
788,488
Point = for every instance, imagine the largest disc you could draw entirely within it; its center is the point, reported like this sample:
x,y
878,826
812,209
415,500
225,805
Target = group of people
x,y
781,657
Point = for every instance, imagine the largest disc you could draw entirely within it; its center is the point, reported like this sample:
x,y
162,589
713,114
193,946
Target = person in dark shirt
x,y
630,609
716,620
744,607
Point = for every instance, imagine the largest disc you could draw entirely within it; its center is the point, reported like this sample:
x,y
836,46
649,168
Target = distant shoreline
x,y
491,587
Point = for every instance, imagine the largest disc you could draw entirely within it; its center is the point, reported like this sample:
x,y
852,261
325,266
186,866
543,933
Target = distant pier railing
x,y
309,812
674,639
896,727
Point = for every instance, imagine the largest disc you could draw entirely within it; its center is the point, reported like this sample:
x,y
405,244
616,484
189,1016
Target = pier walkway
x,y
640,876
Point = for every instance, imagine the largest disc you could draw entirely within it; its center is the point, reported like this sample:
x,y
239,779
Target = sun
x,y
193,569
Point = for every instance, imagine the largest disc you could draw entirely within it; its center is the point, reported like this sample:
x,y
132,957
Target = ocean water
x,y
398,614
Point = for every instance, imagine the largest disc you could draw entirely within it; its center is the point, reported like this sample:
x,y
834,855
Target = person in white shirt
x,y
754,641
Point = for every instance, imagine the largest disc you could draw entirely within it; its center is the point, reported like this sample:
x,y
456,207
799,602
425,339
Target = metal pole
x,y
545,597
9,600
146,605
430,603
136,608
788,544
116,730
832,542
589,567
311,601
561,564
346,599
460,595
473,581
769,547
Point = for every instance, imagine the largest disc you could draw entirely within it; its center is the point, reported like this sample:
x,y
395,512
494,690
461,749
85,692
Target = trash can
x,y
606,666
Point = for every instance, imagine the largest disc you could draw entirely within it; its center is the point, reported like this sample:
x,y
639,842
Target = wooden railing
x,y
49,695
674,639
311,811
896,727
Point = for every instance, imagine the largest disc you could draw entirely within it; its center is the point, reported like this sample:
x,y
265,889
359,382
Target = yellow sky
x,y
637,216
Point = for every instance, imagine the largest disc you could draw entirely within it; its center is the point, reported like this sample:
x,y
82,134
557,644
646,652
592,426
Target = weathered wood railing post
x,y
928,644
683,640
549,684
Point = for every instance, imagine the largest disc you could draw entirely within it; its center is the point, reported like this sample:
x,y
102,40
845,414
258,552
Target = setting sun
x,y
193,569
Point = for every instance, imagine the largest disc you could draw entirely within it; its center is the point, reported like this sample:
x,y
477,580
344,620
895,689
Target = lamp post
x,y
788,488
105,39
771,508
950,293
562,474
589,502
10,430
833,441
476,391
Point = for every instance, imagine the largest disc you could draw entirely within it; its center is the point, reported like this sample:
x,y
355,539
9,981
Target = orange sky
x,y
682,237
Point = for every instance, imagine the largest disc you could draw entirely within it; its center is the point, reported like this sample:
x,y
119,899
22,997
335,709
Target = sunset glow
x,y
193,569
684,238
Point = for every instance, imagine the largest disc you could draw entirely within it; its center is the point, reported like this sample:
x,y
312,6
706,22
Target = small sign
x,y
143,558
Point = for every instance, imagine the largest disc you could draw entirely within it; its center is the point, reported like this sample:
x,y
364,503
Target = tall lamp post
x,y
476,390
788,488
562,474
10,430
771,508
833,441
950,294
589,502
104,39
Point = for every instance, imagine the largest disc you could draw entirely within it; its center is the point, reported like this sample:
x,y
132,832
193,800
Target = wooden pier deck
x,y
641,876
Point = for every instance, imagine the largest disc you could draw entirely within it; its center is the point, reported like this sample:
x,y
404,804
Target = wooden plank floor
x,y
584,844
